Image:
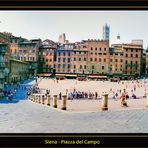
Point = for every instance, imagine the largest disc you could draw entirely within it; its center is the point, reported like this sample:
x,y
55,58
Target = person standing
x,y
96,95
123,98
60,96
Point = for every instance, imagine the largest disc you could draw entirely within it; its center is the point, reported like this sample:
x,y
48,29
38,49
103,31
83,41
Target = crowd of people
x,y
129,92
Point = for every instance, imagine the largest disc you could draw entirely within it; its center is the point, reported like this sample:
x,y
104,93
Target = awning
x,y
97,77
61,75
44,75
69,75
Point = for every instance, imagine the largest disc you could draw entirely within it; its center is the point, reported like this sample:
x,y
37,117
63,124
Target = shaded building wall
x,y
18,71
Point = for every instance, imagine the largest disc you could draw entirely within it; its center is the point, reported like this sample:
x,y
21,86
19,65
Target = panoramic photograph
x,y
73,72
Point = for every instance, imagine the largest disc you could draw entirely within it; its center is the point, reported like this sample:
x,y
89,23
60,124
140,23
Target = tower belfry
x,y
118,36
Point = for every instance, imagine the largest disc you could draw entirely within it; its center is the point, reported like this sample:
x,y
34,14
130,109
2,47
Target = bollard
x,y
31,97
146,101
39,98
36,98
104,102
48,99
64,99
43,99
55,101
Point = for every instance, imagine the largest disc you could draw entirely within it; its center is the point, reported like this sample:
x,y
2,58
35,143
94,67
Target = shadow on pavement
x,y
21,92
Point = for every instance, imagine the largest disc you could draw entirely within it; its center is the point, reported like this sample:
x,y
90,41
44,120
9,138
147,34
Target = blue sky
x,y
77,25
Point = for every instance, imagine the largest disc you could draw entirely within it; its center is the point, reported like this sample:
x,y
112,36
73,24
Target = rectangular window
x,y
95,59
136,55
74,59
68,53
104,49
68,60
96,48
74,66
91,59
59,59
84,59
121,60
33,51
68,66
80,66
25,51
131,50
84,66
59,66
116,60
102,67
126,55
100,49
79,59
63,59
63,66
91,48
99,59
93,67
131,55
104,53
59,54
104,60
64,54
